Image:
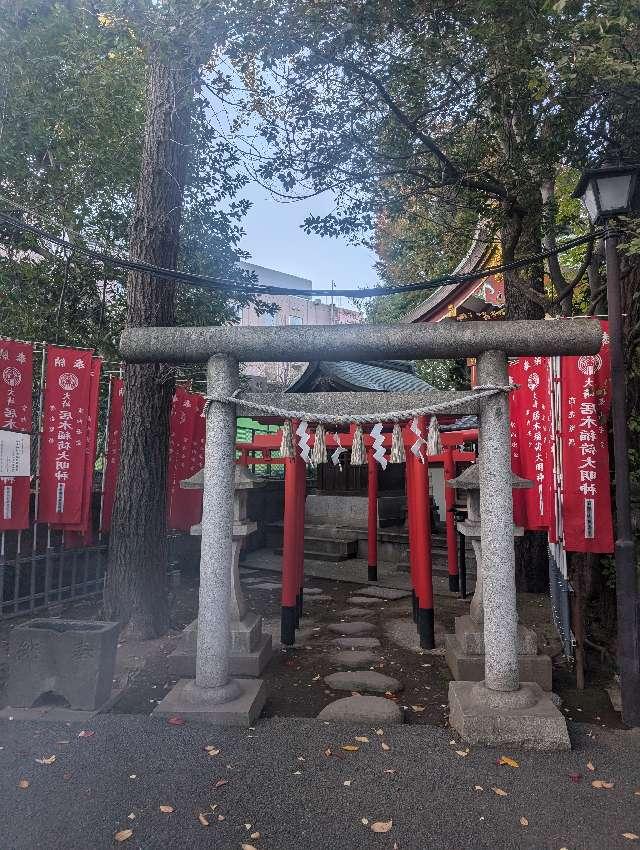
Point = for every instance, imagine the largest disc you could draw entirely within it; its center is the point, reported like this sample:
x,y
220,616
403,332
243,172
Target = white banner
x,y
15,454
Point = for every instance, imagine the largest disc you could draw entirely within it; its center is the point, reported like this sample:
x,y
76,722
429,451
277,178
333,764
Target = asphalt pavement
x,y
289,784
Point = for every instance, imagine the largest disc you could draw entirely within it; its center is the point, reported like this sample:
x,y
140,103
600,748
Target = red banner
x,y
186,457
82,534
16,382
67,396
586,494
531,436
114,429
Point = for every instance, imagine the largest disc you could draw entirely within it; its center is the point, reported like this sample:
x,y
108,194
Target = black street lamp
x,y
608,192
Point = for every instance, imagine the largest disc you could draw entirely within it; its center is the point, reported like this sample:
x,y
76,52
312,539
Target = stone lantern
x,y
251,650
464,650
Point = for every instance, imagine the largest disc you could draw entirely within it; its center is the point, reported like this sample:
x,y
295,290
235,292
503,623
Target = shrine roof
x,y
381,376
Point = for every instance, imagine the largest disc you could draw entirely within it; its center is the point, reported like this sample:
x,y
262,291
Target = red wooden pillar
x,y
422,536
372,526
411,514
301,488
450,505
289,604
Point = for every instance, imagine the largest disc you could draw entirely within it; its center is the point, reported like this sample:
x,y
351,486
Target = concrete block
x,y
194,703
470,668
471,637
526,718
72,659
251,650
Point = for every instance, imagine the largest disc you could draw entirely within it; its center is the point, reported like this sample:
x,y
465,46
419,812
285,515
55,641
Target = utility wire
x,y
229,285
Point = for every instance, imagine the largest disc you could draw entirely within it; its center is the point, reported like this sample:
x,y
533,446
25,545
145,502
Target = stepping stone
x,y
384,592
356,628
318,597
363,680
356,642
363,600
356,612
362,709
353,659
312,591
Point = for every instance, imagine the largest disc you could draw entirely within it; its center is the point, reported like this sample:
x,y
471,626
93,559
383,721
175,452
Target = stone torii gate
x,y
500,709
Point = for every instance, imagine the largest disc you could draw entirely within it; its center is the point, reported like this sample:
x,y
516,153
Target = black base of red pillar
x,y
414,606
454,583
426,631
300,603
373,572
288,623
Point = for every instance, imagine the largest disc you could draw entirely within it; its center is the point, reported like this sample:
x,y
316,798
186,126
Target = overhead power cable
x,y
230,286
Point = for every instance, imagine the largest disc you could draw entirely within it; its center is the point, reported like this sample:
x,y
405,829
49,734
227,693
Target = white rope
x,y
479,392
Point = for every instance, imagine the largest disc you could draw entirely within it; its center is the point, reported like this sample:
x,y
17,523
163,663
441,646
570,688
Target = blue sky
x,y
274,239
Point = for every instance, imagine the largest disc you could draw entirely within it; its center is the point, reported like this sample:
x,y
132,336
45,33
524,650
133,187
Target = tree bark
x,y
522,236
135,589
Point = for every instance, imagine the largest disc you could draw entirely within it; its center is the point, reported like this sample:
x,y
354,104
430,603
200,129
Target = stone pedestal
x,y
250,650
524,718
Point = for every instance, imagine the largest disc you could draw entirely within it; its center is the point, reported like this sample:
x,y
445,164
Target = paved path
x,y
279,781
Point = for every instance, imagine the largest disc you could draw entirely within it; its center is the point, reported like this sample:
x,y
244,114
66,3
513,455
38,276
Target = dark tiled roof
x,y
382,376
461,424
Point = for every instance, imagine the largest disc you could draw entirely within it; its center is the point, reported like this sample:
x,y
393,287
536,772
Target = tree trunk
x,y
522,236
135,589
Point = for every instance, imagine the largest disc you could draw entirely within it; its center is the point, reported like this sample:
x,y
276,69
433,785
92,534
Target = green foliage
x,y
72,89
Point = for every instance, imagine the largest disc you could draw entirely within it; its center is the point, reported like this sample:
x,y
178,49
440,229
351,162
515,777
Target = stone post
x,y
214,633
496,511
214,696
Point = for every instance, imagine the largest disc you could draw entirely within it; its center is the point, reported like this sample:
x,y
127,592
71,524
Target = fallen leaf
x,y
24,783
379,731
590,766
131,816
508,761
630,835
637,793
364,821
327,752
600,783
347,782
255,835
575,777
221,817
123,835
419,708
247,847
478,788
382,826
385,747
213,806
176,721
350,748
297,773
212,751
46,760
204,820
499,791
389,770
362,739
462,753
524,821
166,810
86,733
221,782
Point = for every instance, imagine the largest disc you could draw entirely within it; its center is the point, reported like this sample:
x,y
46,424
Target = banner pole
x,y
34,543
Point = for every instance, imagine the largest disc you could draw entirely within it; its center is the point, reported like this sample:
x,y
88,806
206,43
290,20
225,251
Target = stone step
x,y
362,709
363,680
312,555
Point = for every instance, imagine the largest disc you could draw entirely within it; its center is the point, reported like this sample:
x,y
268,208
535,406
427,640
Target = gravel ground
x,y
278,781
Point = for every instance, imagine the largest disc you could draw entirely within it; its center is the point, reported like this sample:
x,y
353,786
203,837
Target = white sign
x,y
15,454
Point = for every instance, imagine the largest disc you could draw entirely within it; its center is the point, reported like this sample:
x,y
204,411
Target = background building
x,y
292,310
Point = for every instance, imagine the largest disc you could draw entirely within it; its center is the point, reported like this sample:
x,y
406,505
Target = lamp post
x,y
606,193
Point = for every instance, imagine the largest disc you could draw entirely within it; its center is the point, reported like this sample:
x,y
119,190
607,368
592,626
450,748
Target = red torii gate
x,y
418,510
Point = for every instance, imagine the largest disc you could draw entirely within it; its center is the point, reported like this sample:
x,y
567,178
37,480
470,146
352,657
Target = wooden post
x,y
372,526
289,606
450,520
422,533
